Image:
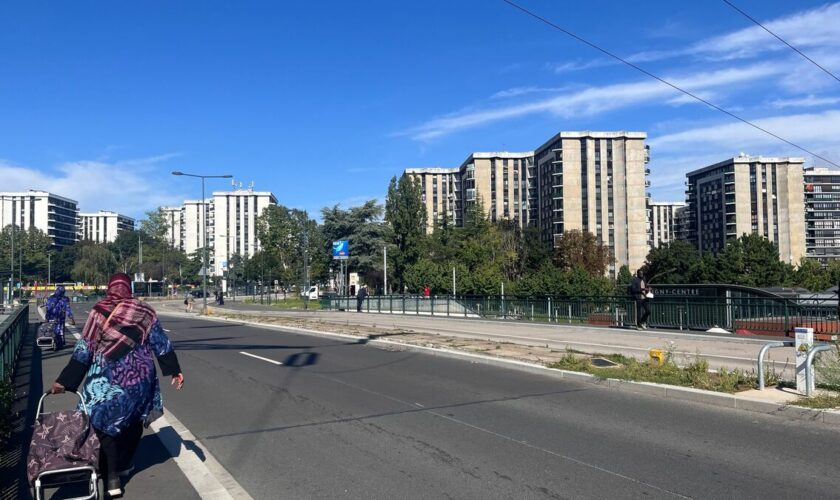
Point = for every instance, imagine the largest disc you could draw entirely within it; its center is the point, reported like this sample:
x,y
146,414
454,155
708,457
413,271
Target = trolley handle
x,y
48,393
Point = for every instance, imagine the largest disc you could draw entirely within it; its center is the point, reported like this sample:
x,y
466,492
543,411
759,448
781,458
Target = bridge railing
x,y
759,316
13,327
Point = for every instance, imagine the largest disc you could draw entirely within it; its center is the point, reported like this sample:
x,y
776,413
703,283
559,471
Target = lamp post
x,y
204,228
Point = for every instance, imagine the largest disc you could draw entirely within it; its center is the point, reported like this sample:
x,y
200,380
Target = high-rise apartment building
x,y
748,194
498,179
664,222
440,191
103,226
590,181
595,182
174,217
55,215
822,213
194,213
231,225
235,224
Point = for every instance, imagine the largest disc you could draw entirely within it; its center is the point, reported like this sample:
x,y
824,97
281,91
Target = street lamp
x,y
204,208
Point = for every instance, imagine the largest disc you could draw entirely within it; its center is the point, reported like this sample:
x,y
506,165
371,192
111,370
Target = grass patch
x,y
821,401
289,303
695,375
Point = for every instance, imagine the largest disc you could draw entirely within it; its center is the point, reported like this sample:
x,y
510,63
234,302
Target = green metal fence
x,y
13,328
759,316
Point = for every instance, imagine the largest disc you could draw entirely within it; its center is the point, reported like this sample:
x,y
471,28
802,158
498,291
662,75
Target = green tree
x,y
362,226
94,263
752,260
155,225
284,235
813,276
674,263
622,280
581,249
406,219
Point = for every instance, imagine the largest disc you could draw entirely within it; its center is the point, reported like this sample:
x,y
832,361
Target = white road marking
x,y
167,331
209,478
418,404
260,357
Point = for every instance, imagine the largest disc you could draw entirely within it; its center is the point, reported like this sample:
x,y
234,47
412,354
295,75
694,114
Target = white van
x,y
312,293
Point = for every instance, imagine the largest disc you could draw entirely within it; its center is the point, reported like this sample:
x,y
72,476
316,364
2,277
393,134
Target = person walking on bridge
x,y
57,311
639,290
115,356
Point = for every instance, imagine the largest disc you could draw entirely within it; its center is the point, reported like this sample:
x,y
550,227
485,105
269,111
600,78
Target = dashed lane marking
x,y
260,357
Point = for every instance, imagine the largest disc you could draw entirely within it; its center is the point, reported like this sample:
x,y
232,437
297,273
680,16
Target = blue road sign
x,y
341,249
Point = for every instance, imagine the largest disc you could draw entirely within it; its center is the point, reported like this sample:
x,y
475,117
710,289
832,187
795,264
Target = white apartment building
x,y
103,226
663,221
231,225
55,215
235,224
175,224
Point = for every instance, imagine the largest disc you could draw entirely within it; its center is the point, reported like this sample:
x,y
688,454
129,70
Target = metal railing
x,y
759,316
13,329
762,353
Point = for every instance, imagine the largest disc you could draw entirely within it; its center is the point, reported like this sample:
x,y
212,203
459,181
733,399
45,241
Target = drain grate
x,y
603,363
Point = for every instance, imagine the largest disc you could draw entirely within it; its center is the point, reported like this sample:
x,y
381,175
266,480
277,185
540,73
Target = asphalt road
x,y
340,419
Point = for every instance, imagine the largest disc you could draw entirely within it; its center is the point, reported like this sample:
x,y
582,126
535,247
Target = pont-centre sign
x,y
341,249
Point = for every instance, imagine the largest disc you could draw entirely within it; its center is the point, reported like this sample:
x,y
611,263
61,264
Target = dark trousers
x,y
642,311
359,303
117,452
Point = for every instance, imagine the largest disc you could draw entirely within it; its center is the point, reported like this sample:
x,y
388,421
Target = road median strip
x,y
720,399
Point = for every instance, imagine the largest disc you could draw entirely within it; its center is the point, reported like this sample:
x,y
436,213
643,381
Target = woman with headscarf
x,y
58,310
115,356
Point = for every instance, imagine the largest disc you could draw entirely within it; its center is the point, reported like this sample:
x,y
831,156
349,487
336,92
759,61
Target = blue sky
x,y
323,103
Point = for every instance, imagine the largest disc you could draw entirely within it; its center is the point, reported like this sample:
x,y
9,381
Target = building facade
x,y
175,226
589,181
56,216
595,182
235,224
440,192
822,214
231,225
748,194
103,226
664,222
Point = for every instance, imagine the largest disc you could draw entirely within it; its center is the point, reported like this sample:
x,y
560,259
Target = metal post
x,y
204,227
453,282
762,353
385,268
809,369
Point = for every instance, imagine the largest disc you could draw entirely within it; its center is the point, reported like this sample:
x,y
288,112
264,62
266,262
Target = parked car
x,y
312,293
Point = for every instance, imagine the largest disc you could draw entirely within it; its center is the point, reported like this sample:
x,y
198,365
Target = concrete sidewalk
x,y
156,475
721,351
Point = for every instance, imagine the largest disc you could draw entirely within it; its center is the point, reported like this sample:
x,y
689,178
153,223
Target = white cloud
x,y
805,102
813,131
131,186
675,154
810,29
818,27
570,66
519,91
593,100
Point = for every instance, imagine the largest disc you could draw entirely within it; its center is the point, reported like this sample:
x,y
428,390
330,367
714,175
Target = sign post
x,y
804,341
341,252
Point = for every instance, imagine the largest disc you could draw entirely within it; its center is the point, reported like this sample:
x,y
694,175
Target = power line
x,y
832,75
666,82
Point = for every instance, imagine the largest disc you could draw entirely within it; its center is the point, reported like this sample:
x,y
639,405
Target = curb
x,y
719,399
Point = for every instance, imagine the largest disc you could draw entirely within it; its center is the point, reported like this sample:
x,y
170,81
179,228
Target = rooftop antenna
x,y
251,186
233,183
